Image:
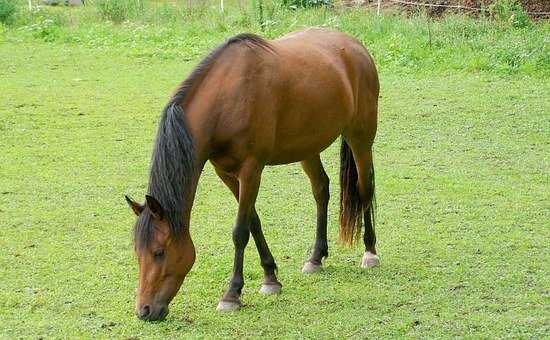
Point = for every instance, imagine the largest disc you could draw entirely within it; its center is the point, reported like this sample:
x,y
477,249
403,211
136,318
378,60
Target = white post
x,y
221,5
378,7
30,5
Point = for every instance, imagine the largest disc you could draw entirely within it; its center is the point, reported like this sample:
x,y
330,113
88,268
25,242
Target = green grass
x,y
462,175
404,44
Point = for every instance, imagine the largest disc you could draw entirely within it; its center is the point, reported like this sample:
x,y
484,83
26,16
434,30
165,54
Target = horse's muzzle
x,y
152,313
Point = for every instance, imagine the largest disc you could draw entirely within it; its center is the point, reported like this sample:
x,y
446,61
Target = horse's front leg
x,y
249,183
270,284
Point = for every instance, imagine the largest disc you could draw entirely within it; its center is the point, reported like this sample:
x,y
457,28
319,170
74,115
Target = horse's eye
x,y
158,253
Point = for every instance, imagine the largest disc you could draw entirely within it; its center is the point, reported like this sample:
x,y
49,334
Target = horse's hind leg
x,y
270,284
320,187
362,153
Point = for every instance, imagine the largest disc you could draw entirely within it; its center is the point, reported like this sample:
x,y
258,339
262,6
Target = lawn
x,y
462,168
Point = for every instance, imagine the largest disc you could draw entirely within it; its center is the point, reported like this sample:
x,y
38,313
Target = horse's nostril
x,y
163,312
144,312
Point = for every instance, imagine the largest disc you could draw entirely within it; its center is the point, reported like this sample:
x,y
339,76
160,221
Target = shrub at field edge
x,y
8,8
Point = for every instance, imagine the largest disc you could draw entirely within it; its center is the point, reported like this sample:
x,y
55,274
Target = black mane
x,y
173,163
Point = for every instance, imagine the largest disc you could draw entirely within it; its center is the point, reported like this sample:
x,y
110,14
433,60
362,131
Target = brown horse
x,y
252,103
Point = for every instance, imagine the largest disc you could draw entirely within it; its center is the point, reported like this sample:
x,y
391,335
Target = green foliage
x,y
44,23
265,14
510,11
8,8
120,10
47,30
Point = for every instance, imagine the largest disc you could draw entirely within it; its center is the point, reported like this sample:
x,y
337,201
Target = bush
x,y
306,3
510,11
119,10
7,11
47,30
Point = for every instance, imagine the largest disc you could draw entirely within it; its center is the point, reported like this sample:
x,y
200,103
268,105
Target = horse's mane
x,y
173,164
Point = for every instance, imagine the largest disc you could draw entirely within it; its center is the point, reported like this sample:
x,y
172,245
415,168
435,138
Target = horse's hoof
x,y
270,288
228,306
311,268
370,260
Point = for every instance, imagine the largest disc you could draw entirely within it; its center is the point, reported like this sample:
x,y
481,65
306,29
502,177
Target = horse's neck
x,y
202,116
200,124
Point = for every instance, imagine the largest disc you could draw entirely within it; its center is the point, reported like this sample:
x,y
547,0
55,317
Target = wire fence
x,y
423,4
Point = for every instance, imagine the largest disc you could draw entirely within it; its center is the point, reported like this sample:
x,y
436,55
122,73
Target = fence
x,y
423,4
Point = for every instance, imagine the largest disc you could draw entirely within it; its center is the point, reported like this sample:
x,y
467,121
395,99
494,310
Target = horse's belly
x,y
303,143
297,154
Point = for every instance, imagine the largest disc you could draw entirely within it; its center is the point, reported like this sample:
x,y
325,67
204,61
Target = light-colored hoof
x,y
370,260
270,289
311,268
228,306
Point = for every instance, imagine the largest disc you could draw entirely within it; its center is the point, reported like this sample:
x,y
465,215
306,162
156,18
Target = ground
x,y
463,208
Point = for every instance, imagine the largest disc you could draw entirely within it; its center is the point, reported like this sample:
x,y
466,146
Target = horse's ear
x,y
136,207
155,207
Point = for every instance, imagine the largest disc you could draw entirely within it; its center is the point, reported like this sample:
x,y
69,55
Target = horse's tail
x,y
352,208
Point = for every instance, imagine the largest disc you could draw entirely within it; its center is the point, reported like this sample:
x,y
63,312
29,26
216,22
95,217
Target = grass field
x,y
463,194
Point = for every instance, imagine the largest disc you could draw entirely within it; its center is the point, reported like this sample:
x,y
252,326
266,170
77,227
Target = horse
x,y
249,104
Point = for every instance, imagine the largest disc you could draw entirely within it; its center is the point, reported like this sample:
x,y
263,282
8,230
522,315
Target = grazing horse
x,y
252,103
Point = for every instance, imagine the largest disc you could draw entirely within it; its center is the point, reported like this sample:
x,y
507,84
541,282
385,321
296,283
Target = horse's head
x,y
164,259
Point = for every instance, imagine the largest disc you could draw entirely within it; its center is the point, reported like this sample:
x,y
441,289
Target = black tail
x,y
352,207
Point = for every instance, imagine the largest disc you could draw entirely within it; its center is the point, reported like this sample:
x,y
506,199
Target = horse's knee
x,y
241,235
